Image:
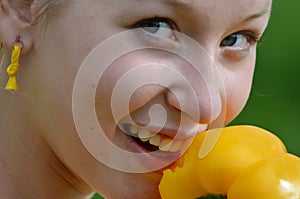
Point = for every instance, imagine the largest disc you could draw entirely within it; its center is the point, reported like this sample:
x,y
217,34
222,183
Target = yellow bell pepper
x,y
237,148
274,177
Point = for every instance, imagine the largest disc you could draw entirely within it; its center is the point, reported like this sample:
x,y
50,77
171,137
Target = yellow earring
x,y
13,68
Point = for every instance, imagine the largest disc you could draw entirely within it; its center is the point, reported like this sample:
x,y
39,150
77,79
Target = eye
x,y
241,40
160,27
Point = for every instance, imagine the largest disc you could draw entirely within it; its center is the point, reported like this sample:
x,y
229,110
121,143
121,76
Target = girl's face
x,y
227,30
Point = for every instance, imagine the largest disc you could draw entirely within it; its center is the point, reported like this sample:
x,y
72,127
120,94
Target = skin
x,y
41,155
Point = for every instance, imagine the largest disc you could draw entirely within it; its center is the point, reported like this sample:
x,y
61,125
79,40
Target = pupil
x,y
152,26
230,40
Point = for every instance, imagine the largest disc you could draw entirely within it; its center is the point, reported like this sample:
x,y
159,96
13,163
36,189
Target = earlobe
x,y
14,23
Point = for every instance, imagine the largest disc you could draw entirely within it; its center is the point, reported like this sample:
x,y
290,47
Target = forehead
x,y
202,5
225,12
191,3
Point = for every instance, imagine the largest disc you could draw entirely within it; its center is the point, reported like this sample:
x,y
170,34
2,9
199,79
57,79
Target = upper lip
x,y
185,133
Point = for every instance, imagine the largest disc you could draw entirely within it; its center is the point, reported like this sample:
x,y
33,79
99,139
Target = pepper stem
x,y
213,196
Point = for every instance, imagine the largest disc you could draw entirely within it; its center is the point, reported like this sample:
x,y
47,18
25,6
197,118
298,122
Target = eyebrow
x,y
257,15
181,4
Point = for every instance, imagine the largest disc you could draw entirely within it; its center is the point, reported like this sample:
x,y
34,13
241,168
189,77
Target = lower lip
x,y
154,160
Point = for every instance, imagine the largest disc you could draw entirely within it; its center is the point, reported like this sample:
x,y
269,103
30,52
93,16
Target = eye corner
x,y
253,36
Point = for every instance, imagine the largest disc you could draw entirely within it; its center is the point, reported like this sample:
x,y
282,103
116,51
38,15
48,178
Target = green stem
x,y
213,196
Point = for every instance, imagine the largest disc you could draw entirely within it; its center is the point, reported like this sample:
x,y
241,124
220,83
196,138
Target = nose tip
x,y
203,104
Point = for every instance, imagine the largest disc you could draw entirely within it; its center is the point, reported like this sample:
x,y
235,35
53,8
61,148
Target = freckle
x,y
92,18
92,128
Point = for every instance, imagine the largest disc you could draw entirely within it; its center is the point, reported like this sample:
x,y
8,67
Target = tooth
x,y
176,146
133,130
144,135
144,139
155,140
165,144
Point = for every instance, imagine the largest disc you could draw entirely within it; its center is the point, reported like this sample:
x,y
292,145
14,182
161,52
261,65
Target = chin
x,y
127,185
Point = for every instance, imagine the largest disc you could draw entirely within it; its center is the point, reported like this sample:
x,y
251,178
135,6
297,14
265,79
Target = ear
x,y
15,20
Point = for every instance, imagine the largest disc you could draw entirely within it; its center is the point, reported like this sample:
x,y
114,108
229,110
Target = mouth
x,y
158,147
153,142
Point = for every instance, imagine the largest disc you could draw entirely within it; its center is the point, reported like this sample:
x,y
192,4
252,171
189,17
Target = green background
x,y
274,103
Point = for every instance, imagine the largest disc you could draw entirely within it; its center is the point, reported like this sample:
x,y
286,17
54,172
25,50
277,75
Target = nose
x,y
200,97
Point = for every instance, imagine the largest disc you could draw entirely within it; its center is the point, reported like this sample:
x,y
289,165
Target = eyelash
x,y
157,19
253,37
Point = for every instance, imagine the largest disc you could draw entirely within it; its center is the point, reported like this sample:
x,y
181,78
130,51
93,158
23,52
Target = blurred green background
x,y
274,103
275,100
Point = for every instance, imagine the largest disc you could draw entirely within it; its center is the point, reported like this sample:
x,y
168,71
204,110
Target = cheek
x,y
237,83
116,76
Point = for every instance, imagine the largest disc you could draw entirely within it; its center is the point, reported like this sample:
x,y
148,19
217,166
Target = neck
x,y
28,167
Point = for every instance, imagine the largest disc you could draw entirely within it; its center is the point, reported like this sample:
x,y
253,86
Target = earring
x,y
13,68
